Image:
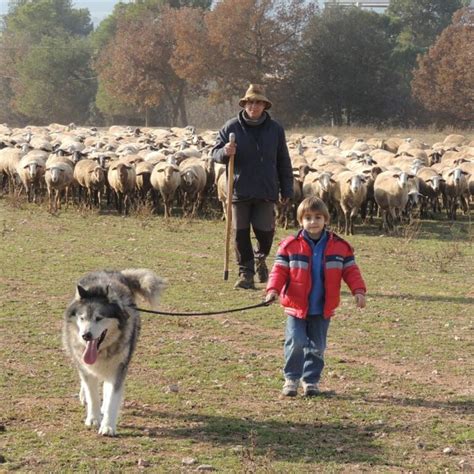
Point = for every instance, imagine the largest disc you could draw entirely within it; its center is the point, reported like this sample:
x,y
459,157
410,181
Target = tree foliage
x,y
239,42
135,67
55,81
444,79
342,71
44,58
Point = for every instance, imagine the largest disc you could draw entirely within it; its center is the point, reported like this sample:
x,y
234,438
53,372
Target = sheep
x,y
222,192
455,191
391,192
430,185
166,179
468,167
143,171
350,193
193,185
9,159
121,179
90,176
287,211
30,170
58,178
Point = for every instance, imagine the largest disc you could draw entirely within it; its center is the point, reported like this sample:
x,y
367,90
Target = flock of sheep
x,y
172,168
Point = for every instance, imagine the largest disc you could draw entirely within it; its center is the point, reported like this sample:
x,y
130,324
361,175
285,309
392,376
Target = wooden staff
x,y
230,191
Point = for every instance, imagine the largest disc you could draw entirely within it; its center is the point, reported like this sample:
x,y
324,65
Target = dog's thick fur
x,y
100,332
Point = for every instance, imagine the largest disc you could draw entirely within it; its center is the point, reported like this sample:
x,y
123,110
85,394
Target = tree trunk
x,y
182,108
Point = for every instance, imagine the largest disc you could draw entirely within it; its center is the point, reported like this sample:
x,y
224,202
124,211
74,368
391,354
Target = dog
x,y
100,333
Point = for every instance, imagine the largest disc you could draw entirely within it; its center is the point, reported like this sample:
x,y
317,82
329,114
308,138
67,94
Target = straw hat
x,y
255,92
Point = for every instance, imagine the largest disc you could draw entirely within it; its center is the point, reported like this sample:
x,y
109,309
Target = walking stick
x,y
230,191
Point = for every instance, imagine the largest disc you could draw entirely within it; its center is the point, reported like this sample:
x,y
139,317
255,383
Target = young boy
x,y
307,275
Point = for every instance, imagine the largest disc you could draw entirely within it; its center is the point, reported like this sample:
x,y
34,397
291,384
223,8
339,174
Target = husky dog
x,y
100,332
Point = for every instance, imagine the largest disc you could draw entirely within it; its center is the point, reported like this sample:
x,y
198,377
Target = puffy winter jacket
x,y
291,274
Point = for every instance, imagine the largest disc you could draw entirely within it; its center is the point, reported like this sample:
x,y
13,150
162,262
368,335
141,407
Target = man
x,y
262,172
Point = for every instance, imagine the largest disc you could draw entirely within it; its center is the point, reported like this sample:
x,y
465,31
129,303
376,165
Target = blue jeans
x,y
305,343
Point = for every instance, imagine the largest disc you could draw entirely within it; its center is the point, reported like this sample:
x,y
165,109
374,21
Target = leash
x,y
208,313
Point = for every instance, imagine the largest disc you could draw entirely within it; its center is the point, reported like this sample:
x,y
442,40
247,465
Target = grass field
x,y
397,389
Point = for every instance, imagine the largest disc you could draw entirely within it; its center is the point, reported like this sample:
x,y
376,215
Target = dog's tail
x,y
145,284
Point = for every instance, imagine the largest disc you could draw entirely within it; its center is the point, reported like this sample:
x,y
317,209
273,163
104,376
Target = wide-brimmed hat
x,y
255,92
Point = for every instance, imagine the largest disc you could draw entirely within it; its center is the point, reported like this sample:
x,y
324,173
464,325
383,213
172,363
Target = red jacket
x,y
291,274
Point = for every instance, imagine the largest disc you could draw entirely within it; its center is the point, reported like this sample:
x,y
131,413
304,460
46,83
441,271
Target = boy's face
x,y
313,223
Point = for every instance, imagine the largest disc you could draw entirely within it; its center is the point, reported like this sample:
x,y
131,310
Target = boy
x,y
307,275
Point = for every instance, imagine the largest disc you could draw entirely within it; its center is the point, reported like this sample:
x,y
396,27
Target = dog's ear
x,y
81,292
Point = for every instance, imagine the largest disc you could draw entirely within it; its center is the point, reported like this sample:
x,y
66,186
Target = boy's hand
x,y
359,299
271,297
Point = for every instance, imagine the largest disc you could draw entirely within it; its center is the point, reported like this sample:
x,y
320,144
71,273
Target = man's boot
x,y
245,282
262,270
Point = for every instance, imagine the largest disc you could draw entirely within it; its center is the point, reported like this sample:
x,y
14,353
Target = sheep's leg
x,y
50,200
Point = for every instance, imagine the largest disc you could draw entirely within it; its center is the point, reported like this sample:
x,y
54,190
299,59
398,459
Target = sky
x,y
99,9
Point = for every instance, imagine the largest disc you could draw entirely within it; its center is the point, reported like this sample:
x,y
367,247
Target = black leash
x,y
209,313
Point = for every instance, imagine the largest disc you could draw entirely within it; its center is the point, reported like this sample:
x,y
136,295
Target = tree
x,y
414,25
39,39
55,81
239,42
444,79
342,72
135,67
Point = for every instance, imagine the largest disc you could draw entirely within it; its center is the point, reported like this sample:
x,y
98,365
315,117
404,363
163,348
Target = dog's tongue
x,y
90,354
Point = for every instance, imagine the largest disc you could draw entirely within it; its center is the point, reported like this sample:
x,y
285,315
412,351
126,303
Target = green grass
x,y
397,387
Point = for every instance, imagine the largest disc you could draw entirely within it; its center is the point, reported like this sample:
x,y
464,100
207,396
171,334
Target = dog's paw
x,y
106,430
92,421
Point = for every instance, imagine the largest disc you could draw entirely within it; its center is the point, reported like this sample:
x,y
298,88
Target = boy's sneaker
x,y
245,282
290,388
310,389
262,270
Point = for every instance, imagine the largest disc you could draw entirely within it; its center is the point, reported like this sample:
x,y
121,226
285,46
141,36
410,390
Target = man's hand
x,y
284,201
271,297
359,299
230,149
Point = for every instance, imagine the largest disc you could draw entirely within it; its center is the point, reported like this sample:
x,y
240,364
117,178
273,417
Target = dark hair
x,y
312,204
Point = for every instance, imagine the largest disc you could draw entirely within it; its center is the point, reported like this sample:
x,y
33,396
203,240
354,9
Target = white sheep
x,y
350,194
166,179
430,185
193,185
391,192
121,179
30,170
58,178
455,191
90,176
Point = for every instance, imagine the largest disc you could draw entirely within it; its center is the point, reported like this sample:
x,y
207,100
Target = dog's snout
x,y
87,336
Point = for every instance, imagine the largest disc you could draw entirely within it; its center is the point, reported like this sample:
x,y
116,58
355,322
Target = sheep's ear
x,y
442,180
411,176
464,172
373,161
396,175
81,292
429,181
451,173
332,180
367,171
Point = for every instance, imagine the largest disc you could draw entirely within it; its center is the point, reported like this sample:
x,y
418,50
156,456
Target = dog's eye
x,y
99,318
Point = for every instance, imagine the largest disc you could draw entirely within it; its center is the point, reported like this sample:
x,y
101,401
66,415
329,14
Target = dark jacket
x,y
291,274
262,166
